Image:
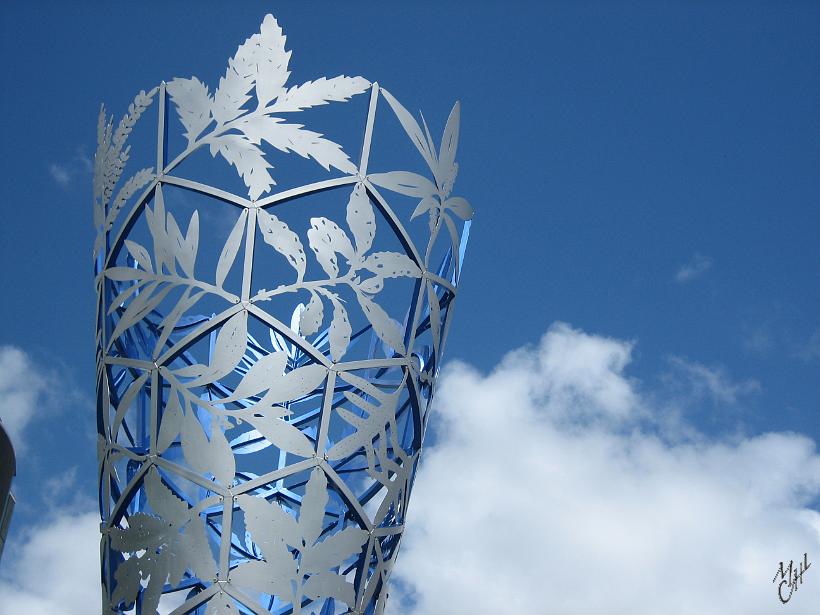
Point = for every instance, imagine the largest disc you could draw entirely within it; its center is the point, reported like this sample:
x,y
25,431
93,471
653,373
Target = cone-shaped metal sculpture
x,y
265,372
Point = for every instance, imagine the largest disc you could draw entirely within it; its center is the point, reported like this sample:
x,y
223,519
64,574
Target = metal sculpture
x,y
248,464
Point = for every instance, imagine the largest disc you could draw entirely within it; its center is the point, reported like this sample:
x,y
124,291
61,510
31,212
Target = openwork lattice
x,y
261,406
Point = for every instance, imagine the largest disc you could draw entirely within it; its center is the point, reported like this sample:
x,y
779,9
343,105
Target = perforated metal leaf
x,y
391,265
361,218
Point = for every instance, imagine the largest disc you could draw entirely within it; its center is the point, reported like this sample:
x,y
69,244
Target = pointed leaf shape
x,y
449,143
140,255
405,182
296,138
455,238
392,265
270,526
124,274
157,569
223,463
323,252
136,182
372,285
281,434
141,306
125,403
194,550
271,60
435,319
365,430
171,422
128,582
186,302
195,445
460,207
230,249
312,509
330,585
278,235
232,92
334,549
411,127
332,234
176,566
229,348
426,204
312,316
340,329
163,244
207,457
320,92
193,102
248,159
430,144
163,501
361,219
143,532
263,374
195,370
295,384
384,326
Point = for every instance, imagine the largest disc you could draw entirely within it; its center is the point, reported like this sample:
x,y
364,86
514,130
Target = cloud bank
x,y
53,569
552,487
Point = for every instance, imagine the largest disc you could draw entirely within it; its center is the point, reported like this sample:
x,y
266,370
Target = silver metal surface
x,y
258,445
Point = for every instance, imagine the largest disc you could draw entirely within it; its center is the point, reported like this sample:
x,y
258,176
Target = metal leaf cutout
x,y
405,182
193,103
379,417
276,532
281,434
384,326
278,235
392,265
228,350
171,422
361,219
230,250
161,547
261,63
326,240
340,329
312,316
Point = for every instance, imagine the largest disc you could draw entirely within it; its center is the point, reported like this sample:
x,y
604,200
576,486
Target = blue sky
x,y
644,171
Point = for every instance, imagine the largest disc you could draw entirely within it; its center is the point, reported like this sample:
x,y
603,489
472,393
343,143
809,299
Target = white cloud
x,y
549,491
54,568
694,268
60,174
24,391
64,173
811,349
712,382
